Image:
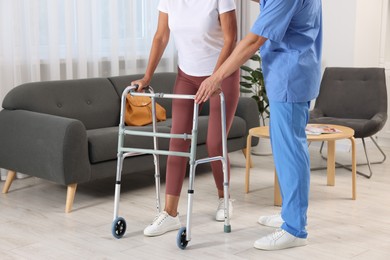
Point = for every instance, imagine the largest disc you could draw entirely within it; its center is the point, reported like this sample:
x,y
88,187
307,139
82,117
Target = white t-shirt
x,y
197,32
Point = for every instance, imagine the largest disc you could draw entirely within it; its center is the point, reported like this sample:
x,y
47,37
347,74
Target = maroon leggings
x,y
182,114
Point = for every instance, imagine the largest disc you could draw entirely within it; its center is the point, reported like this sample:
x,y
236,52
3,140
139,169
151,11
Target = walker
x,y
184,234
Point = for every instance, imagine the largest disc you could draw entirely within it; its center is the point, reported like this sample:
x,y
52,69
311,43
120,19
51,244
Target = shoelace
x,y
221,204
160,218
277,234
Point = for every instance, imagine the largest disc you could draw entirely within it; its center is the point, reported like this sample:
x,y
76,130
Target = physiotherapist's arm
x,y
256,1
244,50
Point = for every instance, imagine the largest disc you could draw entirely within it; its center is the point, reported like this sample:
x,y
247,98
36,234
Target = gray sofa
x,y
67,131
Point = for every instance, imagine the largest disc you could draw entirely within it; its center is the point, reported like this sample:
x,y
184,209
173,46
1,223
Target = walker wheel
x,y
118,227
181,238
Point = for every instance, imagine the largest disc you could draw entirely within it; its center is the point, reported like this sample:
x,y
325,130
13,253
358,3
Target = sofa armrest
x,y
46,146
247,109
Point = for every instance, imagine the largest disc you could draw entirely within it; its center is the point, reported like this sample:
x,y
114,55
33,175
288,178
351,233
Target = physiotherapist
x,y
289,35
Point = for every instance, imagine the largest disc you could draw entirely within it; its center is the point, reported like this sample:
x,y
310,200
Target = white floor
x,y
33,224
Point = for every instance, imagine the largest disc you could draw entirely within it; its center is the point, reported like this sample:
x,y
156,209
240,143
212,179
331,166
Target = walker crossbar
x,y
152,151
163,95
209,159
163,135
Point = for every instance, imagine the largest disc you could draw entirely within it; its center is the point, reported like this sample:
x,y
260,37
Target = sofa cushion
x,y
92,101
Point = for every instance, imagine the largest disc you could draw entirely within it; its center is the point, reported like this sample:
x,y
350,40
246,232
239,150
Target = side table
x,y
330,138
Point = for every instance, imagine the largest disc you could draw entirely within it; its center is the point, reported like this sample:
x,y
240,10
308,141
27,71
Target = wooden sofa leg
x,y
10,178
70,197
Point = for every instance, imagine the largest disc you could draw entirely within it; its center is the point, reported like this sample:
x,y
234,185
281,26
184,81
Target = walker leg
x,y
156,158
157,181
227,227
184,235
190,202
118,184
118,227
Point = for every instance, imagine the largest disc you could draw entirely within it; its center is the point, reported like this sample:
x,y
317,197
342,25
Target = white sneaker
x,y
271,221
280,239
162,223
220,214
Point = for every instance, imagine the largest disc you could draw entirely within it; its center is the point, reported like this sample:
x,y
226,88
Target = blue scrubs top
x,y
292,55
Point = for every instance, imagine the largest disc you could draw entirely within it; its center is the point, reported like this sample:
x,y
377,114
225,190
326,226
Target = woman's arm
x,y
228,22
160,41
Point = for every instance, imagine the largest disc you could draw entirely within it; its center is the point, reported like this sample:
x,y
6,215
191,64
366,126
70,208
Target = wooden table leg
x,y
248,164
277,196
331,165
353,167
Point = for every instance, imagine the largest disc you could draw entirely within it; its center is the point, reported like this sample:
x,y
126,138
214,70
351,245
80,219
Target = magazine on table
x,y
321,129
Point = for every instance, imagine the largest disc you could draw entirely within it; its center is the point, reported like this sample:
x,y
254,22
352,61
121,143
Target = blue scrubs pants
x,y
292,162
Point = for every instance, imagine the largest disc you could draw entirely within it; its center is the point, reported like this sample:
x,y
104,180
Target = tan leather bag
x,y
139,111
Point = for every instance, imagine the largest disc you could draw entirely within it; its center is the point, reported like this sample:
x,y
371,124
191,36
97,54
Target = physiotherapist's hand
x,y
208,88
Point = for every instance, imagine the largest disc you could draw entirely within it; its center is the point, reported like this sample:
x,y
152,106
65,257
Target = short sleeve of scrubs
x,y
275,17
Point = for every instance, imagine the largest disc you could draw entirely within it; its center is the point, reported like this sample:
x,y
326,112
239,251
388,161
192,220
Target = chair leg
x,y
348,167
380,150
368,161
368,176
